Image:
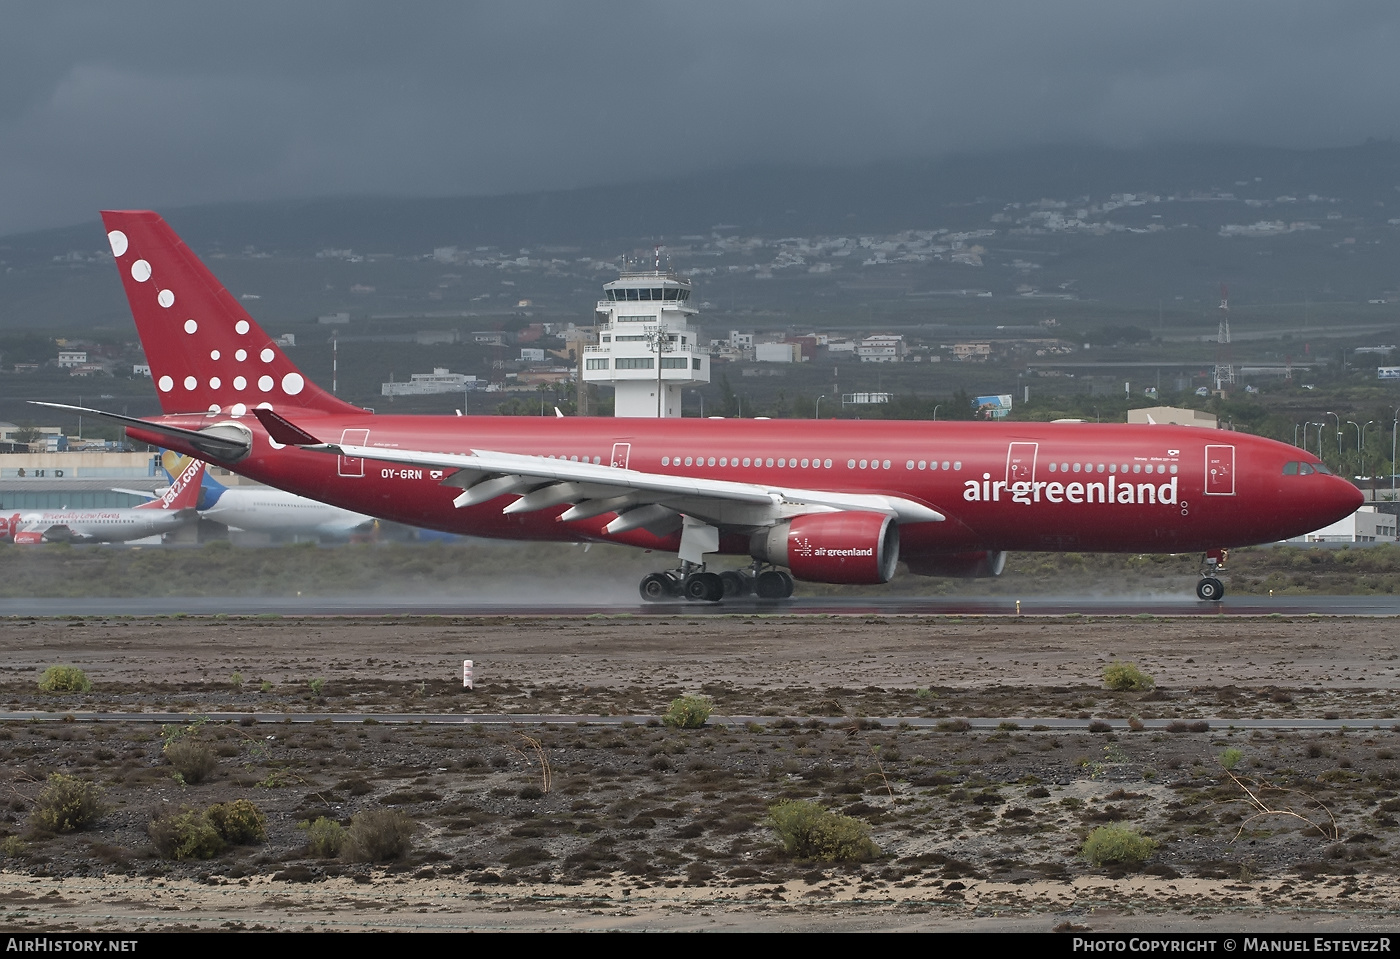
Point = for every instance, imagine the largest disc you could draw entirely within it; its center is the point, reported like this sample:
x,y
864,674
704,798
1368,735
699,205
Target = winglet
x,y
283,431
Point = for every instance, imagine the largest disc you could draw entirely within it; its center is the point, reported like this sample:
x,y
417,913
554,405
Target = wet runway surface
x,y
888,605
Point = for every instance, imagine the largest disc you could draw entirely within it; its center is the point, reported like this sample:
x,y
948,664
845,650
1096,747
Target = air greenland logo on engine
x,y
1111,492
802,546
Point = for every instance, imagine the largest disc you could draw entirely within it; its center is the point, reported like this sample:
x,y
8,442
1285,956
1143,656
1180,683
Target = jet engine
x,y
980,565
848,547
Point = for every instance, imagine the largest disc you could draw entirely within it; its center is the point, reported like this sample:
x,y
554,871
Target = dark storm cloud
x,y
155,104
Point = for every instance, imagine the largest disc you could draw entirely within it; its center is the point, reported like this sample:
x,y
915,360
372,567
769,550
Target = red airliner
x,y
822,501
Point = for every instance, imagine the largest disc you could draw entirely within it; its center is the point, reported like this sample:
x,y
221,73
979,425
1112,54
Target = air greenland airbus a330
x,y
165,514
822,501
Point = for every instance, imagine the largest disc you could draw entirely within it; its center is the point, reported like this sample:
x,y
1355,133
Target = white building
x,y
778,352
423,384
881,348
1366,525
67,359
644,318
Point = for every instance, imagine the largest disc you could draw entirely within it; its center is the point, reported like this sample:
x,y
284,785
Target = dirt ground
x,y
623,823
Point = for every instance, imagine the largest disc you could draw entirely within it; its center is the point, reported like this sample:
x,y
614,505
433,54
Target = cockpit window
x,y
1290,469
1322,469
1305,469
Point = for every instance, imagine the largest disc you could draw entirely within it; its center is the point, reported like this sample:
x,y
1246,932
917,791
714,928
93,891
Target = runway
x,y
885,605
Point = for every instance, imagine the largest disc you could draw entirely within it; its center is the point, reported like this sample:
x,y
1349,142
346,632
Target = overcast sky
x,y
146,104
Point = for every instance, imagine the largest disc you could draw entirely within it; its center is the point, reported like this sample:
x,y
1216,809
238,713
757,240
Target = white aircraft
x,y
171,511
263,509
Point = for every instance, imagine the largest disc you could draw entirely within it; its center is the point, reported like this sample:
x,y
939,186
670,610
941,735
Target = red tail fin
x,y
205,351
184,492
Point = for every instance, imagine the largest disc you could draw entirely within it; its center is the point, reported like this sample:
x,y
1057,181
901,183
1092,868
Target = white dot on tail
x,y
213,354
292,384
191,382
241,326
239,383
165,298
215,382
140,271
191,326
166,384
118,240
265,383
241,355
238,409
213,407
266,355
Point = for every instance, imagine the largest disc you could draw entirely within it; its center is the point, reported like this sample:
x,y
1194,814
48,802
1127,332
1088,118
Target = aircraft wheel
x,y
704,587
735,584
1210,589
655,587
773,584
788,584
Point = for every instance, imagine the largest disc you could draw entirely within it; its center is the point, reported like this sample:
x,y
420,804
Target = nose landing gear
x,y
1210,588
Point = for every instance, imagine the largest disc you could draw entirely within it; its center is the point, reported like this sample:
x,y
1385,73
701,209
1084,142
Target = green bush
x,y
192,759
65,679
185,834
378,835
809,830
688,712
239,822
1117,843
67,804
1125,677
324,837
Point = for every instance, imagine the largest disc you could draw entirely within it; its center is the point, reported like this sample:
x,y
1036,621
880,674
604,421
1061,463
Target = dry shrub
x,y
65,679
185,834
192,759
239,822
1117,843
67,804
378,835
1126,677
324,837
809,830
688,712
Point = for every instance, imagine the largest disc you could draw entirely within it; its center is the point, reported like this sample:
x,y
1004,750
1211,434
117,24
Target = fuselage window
x,y
1100,469
826,464
746,461
723,461
1137,467
885,465
1113,467
768,462
957,464
1076,467
850,464
923,464
573,459
804,464
711,461
687,461
863,464
908,464
1053,467
933,464
782,463
1173,469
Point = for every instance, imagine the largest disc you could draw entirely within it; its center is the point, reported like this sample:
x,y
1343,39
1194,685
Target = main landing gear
x,y
693,582
1210,588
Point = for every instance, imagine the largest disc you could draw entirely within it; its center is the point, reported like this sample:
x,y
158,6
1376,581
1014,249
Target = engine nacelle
x,y
981,565
30,538
849,547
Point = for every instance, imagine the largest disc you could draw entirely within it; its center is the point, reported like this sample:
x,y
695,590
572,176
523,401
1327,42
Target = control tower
x,y
646,350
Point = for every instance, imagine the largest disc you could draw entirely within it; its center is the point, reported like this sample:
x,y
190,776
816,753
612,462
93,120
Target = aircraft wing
x,y
657,502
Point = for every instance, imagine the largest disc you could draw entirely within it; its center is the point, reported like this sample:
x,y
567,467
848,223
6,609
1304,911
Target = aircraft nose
x,y
1340,499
